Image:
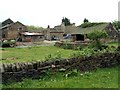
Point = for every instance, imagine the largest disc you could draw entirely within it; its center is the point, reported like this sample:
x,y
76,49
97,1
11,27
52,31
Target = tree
x,y
96,36
85,20
116,24
66,21
32,27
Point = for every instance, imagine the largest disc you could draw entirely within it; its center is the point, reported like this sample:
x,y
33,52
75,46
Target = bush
x,y
88,24
96,36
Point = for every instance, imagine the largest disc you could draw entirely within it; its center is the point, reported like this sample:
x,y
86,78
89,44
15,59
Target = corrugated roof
x,y
36,31
30,34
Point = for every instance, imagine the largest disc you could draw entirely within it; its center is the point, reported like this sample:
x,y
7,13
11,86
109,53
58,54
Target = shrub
x,y
96,36
88,24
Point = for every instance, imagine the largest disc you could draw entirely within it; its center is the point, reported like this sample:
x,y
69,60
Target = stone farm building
x,y
18,31
10,29
55,33
78,33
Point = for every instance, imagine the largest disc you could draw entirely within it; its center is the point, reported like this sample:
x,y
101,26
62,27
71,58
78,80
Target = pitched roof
x,y
55,30
7,21
79,30
7,25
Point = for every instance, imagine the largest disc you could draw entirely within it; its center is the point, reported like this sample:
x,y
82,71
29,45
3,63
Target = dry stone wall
x,y
73,45
17,71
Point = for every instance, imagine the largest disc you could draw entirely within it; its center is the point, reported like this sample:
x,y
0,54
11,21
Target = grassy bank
x,y
101,78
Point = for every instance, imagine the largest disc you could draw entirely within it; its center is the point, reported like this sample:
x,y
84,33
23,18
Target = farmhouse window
x,y
41,37
20,28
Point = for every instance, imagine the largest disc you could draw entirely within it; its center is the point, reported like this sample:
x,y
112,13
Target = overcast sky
x,y
50,12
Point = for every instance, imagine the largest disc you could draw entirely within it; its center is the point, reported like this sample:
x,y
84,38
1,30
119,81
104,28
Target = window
x,y
20,28
41,37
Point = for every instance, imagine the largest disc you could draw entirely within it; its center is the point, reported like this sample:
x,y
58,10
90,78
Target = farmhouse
x,y
18,31
79,33
10,29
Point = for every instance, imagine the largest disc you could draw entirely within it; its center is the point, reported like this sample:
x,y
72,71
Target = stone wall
x,y
17,71
72,45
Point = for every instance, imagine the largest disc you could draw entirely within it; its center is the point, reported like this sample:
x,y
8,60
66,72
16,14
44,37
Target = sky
x,y
50,12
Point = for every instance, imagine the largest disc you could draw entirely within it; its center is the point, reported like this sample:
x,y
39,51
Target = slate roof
x,y
55,30
6,23
10,25
5,26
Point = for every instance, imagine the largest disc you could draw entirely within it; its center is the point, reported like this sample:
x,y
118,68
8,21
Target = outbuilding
x,y
77,37
31,36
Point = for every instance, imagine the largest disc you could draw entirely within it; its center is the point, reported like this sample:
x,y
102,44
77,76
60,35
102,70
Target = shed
x,y
31,36
78,37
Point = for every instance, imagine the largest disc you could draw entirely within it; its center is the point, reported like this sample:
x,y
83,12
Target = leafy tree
x,y
116,24
66,21
32,27
96,36
85,20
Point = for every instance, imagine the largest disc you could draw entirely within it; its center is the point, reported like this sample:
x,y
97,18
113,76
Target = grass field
x,y
11,55
39,53
101,78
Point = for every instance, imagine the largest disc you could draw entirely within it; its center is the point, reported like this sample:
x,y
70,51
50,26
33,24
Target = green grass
x,y
114,44
101,78
42,53
33,53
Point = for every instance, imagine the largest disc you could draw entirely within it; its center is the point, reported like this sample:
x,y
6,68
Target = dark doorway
x,y
79,37
3,36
